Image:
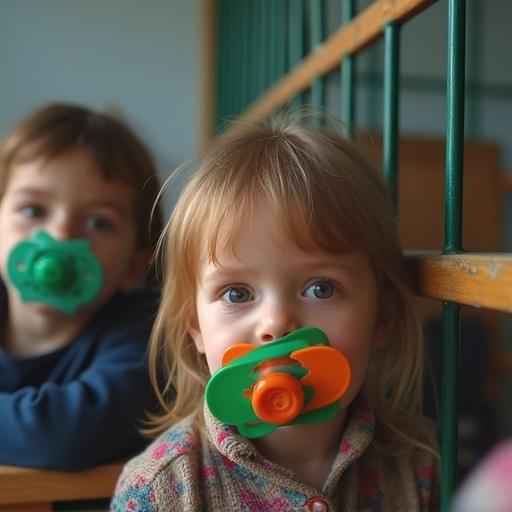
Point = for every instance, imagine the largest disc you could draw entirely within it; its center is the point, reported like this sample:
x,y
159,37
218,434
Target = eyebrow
x,y
29,191
219,273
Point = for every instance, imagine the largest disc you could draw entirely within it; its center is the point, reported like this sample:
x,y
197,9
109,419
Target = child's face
x,y
68,197
270,287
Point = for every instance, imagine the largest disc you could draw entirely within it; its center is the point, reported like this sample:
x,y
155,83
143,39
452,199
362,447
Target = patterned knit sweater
x,y
218,470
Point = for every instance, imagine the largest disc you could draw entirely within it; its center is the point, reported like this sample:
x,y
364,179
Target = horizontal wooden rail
x,y
348,39
35,489
476,279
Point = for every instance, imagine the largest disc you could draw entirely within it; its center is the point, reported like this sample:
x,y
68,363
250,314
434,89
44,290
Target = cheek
x,y
115,259
356,346
214,349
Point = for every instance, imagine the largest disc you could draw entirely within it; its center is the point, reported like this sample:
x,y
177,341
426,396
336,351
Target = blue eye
x,y
32,211
96,223
237,295
321,289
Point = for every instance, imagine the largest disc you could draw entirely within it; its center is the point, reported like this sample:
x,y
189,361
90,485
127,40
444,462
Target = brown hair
x,y
118,152
329,197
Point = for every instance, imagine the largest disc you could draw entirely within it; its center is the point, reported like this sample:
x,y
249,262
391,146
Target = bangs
x,y
58,129
316,200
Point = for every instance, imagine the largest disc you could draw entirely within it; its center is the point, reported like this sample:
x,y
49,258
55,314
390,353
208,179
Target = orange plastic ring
x,y
277,398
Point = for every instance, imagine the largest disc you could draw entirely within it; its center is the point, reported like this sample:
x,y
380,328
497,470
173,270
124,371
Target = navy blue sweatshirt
x,y
81,405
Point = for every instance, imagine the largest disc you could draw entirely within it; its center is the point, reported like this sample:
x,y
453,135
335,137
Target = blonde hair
x,y
328,197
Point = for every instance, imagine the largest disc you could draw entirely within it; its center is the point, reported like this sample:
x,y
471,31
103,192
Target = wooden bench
x,y
35,490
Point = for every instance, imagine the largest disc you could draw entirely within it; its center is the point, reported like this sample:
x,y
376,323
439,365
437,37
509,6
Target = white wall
x,y
140,56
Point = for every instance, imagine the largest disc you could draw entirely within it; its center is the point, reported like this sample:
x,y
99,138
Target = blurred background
x,y
138,59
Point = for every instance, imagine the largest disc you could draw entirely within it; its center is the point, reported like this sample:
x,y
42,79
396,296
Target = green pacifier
x,y
64,274
296,379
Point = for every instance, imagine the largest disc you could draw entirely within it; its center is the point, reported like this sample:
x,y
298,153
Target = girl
x,y
281,227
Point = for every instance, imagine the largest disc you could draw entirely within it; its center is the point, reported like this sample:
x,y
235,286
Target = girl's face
x,y
268,287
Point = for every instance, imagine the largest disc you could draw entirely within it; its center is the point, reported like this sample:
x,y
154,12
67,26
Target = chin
x,y
40,308
44,309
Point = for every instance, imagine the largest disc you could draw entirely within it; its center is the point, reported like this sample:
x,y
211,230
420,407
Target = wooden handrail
x,y
35,489
476,279
348,39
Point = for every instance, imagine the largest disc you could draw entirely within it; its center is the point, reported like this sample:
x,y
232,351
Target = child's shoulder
x,y
171,453
131,307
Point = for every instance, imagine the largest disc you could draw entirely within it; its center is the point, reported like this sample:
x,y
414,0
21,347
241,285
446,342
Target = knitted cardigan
x,y
187,469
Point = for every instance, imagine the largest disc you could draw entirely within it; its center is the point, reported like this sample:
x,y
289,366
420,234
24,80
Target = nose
x,y
277,320
61,227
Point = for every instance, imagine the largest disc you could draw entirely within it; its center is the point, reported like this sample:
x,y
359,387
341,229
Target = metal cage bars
x,y
443,277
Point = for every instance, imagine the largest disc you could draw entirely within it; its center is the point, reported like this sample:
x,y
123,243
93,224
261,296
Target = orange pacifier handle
x,y
296,379
277,398
329,374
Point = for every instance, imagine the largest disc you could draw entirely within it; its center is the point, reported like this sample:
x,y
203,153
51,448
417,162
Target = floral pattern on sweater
x,y
187,469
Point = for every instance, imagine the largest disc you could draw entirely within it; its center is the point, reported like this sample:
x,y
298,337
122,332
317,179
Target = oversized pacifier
x,y
64,274
296,379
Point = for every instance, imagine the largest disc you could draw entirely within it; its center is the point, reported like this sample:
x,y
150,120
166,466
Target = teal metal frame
x,y
454,169
317,37
348,76
279,31
391,106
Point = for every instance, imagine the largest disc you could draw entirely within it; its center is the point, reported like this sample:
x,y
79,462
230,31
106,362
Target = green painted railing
x,y
391,111
293,57
348,75
453,238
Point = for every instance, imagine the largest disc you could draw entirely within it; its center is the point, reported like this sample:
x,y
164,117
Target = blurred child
x,y
282,227
489,487
73,378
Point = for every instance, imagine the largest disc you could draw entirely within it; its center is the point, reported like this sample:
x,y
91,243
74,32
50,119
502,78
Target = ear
x,y
385,321
381,336
195,333
136,270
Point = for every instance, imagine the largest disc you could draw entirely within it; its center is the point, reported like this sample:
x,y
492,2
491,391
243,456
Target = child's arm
x,y
94,417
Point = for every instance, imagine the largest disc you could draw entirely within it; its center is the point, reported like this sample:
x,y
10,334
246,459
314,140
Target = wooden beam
x,y
348,39
32,507
34,486
476,279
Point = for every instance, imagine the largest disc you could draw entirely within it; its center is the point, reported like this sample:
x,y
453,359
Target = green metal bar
x,y
348,76
262,47
475,55
454,126
268,44
453,240
391,106
372,103
221,76
231,58
273,38
296,36
295,39
449,402
243,22
316,15
279,38
239,59
254,51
